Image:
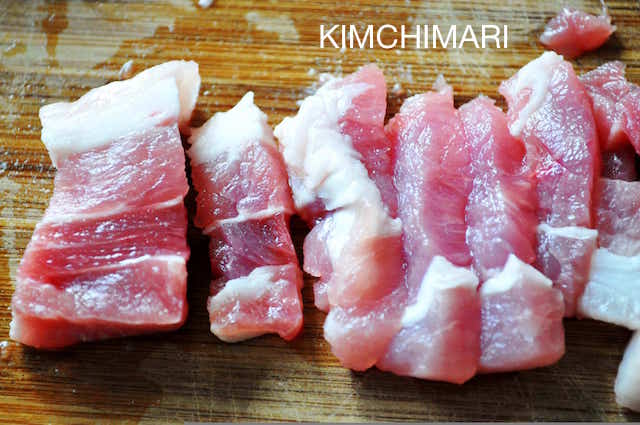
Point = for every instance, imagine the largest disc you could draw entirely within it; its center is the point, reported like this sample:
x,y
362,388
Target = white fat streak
x,y
156,96
627,387
315,150
514,272
535,77
52,217
441,275
342,223
252,286
572,232
89,128
323,164
241,218
230,133
613,292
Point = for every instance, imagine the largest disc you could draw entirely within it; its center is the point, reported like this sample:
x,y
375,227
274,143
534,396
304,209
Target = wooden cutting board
x,y
56,50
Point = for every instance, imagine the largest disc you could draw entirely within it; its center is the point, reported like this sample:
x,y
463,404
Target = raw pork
x,y
501,212
521,320
573,32
616,105
440,335
244,205
551,112
521,314
339,166
108,258
613,292
628,379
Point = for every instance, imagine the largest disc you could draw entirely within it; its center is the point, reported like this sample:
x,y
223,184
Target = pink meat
x,y
550,111
131,172
616,105
244,206
267,300
565,258
242,187
360,335
501,211
521,320
125,299
363,123
340,171
631,109
573,32
59,249
432,175
612,294
109,256
606,86
618,216
238,248
440,334
620,164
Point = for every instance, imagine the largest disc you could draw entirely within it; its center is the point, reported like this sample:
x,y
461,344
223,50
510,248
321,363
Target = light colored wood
x,y
56,50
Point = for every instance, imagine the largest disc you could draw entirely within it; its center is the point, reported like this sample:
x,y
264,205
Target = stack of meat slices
x,y
339,165
244,205
550,111
108,258
613,292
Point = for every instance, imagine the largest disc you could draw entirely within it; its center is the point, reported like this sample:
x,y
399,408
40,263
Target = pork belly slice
x,y
521,320
339,165
616,105
521,313
244,204
130,297
573,32
433,179
550,111
627,385
109,256
564,256
613,292
439,339
501,211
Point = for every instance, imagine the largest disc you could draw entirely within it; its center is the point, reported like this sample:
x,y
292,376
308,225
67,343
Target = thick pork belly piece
x,y
613,292
109,256
616,105
440,330
244,206
439,338
339,165
573,32
564,255
628,380
551,113
521,320
501,210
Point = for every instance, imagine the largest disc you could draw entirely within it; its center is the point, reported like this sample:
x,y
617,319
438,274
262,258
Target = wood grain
x,y
56,50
